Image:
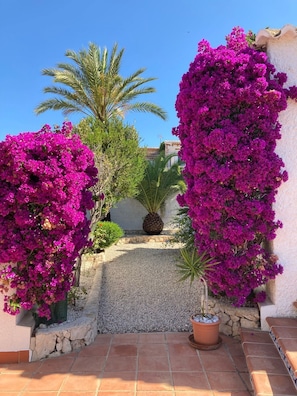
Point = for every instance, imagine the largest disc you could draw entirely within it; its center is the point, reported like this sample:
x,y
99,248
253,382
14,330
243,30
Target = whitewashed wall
x,y
282,53
14,336
129,214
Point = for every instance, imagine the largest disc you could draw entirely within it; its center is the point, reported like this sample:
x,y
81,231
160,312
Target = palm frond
x,y
160,182
94,81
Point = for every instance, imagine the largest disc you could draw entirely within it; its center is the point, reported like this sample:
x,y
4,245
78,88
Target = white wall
x,y
282,53
129,214
13,338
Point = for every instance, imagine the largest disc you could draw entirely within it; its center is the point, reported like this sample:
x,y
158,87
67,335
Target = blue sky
x,y
159,35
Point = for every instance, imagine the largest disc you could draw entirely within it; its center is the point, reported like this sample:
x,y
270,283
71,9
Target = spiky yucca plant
x,y
194,265
161,180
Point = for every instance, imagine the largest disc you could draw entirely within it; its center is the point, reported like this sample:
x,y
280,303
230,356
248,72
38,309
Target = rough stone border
x,y
233,318
69,336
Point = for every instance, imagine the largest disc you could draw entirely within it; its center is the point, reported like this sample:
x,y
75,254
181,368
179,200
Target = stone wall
x,y
66,337
233,318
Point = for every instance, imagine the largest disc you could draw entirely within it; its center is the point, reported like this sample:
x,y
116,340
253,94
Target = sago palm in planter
x,y
159,183
193,266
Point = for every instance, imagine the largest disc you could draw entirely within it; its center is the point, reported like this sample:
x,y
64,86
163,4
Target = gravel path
x,y
140,291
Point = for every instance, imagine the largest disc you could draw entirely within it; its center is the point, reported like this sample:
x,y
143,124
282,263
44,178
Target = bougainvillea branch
x,y
228,107
44,196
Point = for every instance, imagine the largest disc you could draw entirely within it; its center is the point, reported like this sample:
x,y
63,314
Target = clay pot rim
x,y
203,323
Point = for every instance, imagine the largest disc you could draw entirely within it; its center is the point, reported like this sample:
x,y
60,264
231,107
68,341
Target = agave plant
x,y
193,265
161,180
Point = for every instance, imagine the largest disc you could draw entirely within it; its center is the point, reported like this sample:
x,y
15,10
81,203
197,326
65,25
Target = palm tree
x,y
92,85
160,182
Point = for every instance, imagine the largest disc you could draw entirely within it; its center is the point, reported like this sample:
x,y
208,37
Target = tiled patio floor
x,y
134,365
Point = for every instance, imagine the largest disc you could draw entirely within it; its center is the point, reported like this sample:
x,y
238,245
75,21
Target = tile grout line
x,y
204,371
169,363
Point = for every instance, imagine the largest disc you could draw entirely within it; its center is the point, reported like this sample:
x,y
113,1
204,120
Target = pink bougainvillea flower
x,y
44,195
228,107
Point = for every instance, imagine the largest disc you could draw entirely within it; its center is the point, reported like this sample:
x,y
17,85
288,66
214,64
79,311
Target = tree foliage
x,y
92,85
119,159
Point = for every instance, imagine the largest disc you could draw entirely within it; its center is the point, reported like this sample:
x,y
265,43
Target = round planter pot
x,y
206,333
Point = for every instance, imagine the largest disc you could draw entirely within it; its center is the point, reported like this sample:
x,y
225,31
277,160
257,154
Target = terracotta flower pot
x,y
205,333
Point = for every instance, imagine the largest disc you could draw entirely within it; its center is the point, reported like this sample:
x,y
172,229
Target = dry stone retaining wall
x,y
66,337
233,318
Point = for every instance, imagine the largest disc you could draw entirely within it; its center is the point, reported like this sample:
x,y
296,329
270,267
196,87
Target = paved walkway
x,y
151,364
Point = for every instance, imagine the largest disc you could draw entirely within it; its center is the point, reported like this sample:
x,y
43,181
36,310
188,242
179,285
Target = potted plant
x,y
193,265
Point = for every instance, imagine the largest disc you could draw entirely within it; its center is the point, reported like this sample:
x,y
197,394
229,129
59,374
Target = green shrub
x,y
106,233
184,233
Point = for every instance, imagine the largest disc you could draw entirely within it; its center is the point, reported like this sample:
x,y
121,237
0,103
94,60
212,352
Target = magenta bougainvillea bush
x,y
228,108
44,196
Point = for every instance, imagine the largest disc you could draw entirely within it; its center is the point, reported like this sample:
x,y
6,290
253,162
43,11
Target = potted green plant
x,y
193,265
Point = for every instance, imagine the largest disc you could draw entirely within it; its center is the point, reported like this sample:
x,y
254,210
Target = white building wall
x,y
129,214
13,338
282,53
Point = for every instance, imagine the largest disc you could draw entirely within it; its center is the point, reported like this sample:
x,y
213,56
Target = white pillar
x,y
15,335
282,52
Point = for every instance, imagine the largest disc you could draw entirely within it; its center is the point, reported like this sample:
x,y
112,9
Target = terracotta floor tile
x,y
57,365
115,393
225,381
288,344
273,384
229,340
39,393
222,351
115,381
240,363
156,363
235,349
239,393
198,392
256,336
152,349
285,332
13,382
121,363
11,393
94,350
154,381
269,365
261,350
81,382
46,382
103,339
79,393
155,393
89,363
21,368
217,363
129,338
151,338
283,322
176,350
185,363
190,381
123,350
247,381
177,337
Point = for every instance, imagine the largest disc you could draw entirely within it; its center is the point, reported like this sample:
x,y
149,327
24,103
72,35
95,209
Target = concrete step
x,y
268,373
